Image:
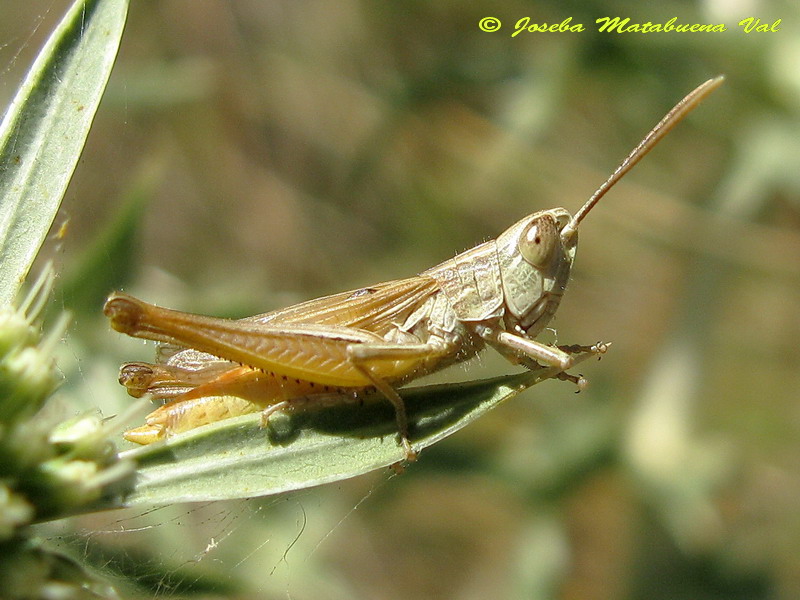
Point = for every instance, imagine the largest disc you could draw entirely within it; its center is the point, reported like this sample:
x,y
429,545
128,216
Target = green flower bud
x,y
15,512
15,331
27,377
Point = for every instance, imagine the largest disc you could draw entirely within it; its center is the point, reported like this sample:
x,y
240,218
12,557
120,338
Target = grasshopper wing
x,y
376,308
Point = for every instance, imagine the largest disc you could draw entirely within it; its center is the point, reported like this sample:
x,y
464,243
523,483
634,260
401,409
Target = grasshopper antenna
x,y
672,118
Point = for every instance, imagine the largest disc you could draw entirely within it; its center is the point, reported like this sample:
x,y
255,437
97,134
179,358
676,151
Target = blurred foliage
x,y
307,148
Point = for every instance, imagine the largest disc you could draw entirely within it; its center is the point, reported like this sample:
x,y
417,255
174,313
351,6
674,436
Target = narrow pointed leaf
x,y
45,127
237,458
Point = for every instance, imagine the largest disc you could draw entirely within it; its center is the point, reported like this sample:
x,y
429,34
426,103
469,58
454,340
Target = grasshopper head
x,y
535,261
522,275
536,253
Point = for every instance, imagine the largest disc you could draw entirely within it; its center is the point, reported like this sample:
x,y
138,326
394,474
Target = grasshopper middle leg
x,y
367,358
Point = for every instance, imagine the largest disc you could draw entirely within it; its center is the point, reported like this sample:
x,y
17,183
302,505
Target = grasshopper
x,y
502,293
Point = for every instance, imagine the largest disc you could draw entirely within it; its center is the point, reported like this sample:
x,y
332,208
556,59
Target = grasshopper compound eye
x,y
537,242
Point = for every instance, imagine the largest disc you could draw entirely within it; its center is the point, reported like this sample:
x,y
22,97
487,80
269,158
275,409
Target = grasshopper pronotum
x,y
502,293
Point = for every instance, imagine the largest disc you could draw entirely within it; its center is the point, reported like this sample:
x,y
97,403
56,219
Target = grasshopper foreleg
x,y
579,380
599,348
533,354
541,353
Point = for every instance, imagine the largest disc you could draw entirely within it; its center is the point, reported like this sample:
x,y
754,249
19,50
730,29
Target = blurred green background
x,y
251,154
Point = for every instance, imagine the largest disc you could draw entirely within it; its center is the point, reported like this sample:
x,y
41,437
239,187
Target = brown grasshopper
x,y
502,293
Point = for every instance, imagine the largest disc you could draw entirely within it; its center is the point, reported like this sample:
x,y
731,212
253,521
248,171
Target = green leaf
x,y
237,458
45,128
